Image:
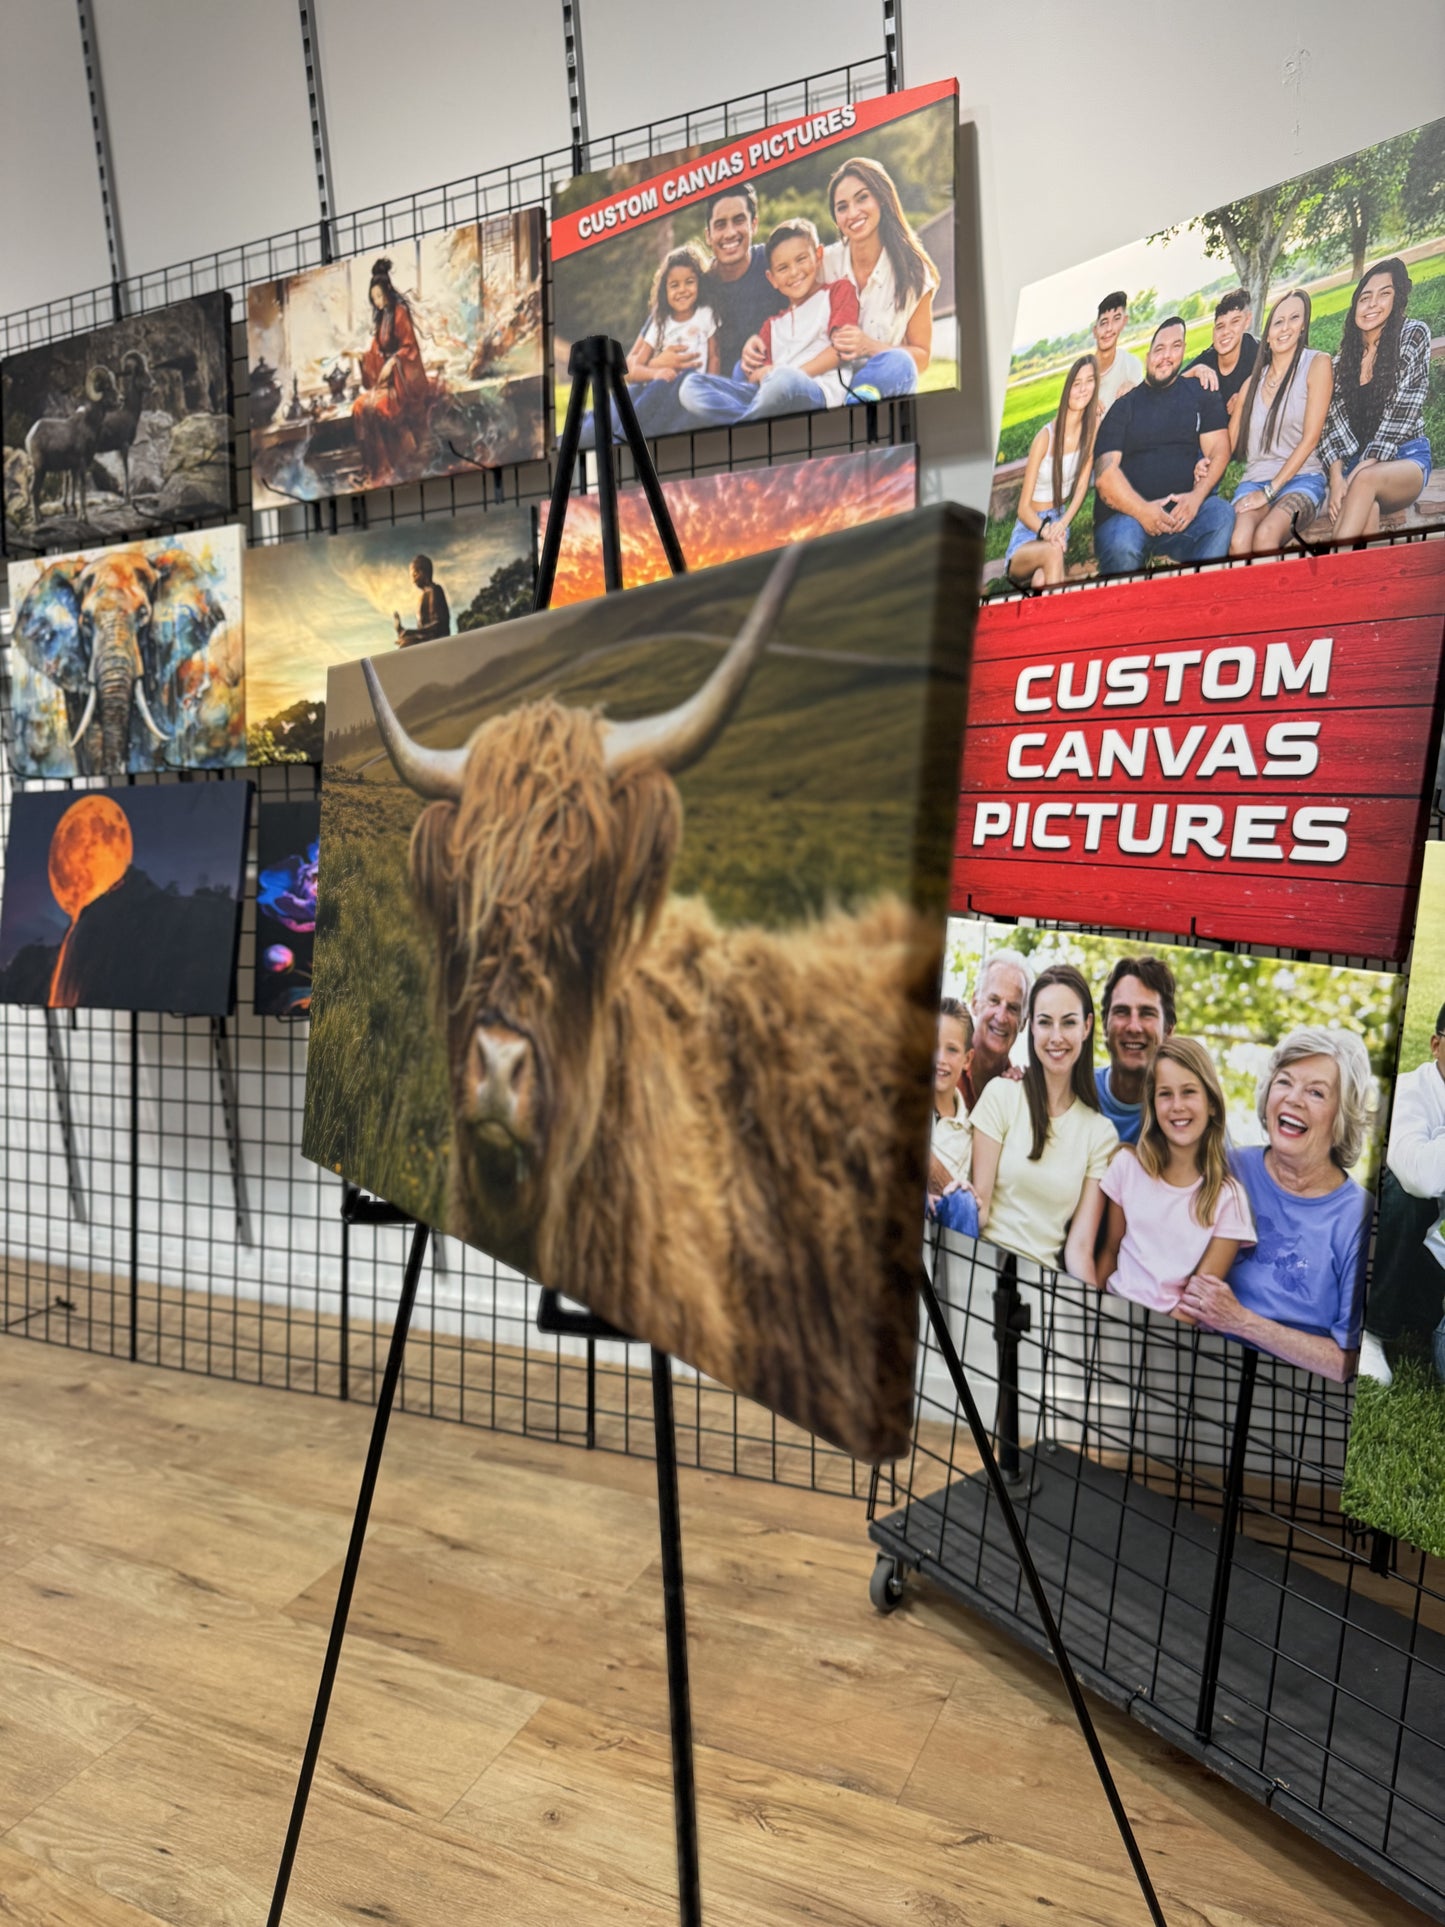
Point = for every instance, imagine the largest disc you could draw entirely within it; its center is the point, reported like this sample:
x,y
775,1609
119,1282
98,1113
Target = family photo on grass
x,y
1197,1131
821,283
1286,384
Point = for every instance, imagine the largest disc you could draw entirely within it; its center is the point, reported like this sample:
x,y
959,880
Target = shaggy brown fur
x,y
730,1157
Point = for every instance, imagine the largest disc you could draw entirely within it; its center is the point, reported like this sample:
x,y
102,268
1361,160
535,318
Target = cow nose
x,y
502,1082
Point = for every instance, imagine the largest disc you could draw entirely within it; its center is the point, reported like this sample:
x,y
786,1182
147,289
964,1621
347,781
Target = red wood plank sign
x,y
1245,754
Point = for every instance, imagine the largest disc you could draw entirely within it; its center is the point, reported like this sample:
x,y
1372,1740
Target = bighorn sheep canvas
x,y
630,929
119,431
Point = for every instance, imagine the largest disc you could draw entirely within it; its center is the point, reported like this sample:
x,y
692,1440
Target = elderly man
x,y
1148,501
1408,1287
1137,1011
999,1002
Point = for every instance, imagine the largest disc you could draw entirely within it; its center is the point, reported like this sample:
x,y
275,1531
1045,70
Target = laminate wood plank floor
x,y
170,1548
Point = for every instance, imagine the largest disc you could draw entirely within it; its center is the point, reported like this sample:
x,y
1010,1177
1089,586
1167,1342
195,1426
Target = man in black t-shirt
x,y
1228,362
737,289
1149,445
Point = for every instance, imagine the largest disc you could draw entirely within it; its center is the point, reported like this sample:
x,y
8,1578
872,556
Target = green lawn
x,y
1395,1474
1427,966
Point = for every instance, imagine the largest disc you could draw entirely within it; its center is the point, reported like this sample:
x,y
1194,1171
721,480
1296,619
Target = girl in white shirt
x,y
677,318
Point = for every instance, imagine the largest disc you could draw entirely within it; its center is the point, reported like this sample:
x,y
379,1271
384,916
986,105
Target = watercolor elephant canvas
x,y
631,918
130,658
119,431
423,358
288,850
125,899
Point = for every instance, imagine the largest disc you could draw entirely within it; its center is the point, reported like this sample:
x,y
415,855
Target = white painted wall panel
x,y
439,89
54,234
209,126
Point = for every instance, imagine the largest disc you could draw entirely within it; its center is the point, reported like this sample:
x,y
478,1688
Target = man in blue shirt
x,y
1137,1010
1147,500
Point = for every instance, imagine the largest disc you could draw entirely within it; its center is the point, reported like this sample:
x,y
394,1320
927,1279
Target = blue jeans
x,y
716,401
1122,547
659,412
957,1210
892,371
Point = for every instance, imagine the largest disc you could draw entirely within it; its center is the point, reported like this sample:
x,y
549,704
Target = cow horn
x,y
679,736
434,773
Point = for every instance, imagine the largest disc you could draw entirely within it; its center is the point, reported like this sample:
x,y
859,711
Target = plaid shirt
x,y
1404,416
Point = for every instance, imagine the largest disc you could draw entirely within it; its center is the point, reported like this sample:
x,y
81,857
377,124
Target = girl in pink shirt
x,y
1174,1209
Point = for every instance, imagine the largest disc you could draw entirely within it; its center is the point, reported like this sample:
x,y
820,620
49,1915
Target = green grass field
x,y
1427,963
1395,1476
1032,401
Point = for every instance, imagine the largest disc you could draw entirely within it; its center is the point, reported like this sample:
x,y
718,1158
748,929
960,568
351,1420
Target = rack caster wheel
x,y
885,1587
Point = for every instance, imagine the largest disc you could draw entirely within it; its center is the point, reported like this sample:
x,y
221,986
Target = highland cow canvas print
x,y
630,926
313,604
125,899
421,359
288,849
131,658
120,431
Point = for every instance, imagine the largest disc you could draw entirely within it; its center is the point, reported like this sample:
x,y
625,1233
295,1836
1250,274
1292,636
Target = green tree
x,y
508,594
1253,233
1422,197
1362,199
1143,307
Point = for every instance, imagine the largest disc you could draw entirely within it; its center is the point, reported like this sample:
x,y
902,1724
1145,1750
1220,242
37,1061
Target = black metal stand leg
x,y
1224,1558
60,1078
1011,1318
679,1698
349,1569
231,1109
1035,1585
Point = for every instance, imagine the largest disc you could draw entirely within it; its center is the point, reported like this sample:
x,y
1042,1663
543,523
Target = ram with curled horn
x,y
712,1132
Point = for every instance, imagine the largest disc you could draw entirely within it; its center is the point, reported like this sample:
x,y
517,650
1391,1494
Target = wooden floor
x,y
169,1553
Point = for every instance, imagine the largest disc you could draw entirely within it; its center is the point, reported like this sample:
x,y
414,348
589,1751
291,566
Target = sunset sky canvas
x,y
124,899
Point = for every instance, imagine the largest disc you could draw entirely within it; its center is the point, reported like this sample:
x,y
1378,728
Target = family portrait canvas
x,y
721,517
1395,1470
1198,1131
333,599
806,266
119,431
1267,369
130,658
288,851
421,359
125,899
627,979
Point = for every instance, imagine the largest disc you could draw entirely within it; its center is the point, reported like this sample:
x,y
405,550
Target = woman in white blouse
x,y
896,282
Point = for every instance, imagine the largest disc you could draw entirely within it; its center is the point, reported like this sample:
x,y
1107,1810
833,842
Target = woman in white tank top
x,y
1277,432
1056,480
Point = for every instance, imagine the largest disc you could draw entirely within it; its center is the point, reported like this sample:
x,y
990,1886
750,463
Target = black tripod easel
x,y
598,368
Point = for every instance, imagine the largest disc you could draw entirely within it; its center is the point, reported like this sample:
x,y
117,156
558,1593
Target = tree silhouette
x,y
1254,232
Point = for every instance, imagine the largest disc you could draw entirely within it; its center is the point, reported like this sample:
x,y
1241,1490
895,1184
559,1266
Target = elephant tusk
x,y
146,717
84,723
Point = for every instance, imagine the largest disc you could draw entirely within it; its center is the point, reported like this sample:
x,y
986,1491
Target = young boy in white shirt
x,y
798,338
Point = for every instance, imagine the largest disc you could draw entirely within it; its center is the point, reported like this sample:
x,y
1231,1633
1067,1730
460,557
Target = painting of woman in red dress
x,y
391,412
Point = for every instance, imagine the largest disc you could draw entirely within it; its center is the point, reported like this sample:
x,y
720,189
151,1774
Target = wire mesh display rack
x,y
157,1206
1180,1494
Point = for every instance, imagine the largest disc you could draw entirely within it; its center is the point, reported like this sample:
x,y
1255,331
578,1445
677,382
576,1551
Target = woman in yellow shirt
x,y
1041,1146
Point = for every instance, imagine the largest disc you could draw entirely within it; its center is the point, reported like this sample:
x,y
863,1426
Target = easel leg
x,y
1224,1558
349,1569
60,1078
679,1698
1030,1572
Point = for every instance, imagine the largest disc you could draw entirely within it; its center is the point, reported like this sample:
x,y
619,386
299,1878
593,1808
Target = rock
x,y
197,476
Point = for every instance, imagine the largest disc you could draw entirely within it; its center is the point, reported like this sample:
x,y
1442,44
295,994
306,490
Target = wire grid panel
x,y
149,1252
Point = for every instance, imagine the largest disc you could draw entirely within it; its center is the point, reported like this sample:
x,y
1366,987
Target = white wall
x,y
54,233
1081,131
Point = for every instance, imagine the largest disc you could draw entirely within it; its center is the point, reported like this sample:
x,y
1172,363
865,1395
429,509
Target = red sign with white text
x,y
1245,754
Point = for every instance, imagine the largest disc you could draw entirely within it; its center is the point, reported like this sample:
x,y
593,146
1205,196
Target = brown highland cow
x,y
648,1109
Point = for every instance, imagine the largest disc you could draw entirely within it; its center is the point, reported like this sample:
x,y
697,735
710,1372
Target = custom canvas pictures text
x,y
632,967
421,359
1199,1131
809,265
1260,372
